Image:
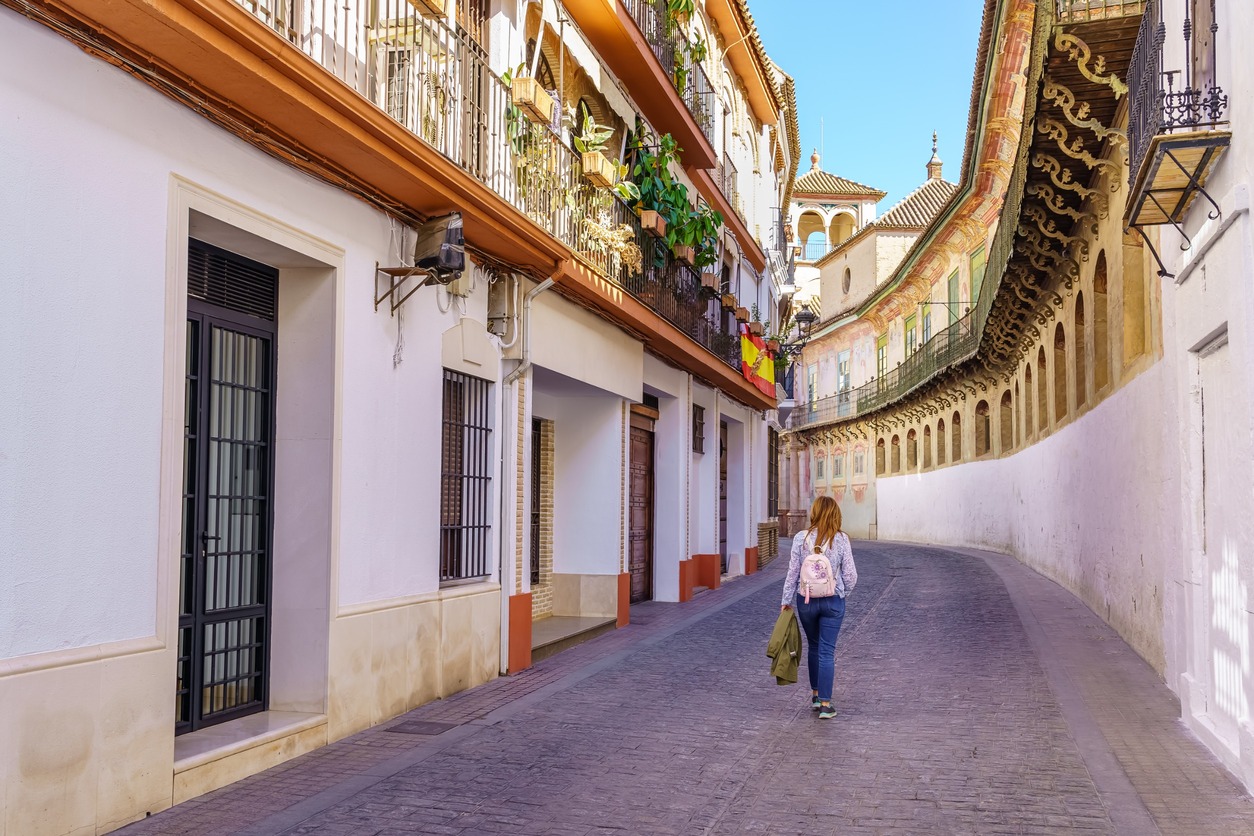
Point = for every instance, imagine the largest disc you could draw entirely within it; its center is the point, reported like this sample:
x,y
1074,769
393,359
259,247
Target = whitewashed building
x,y
1091,413
262,482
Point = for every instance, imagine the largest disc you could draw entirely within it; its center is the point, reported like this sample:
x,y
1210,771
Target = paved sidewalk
x,y
975,697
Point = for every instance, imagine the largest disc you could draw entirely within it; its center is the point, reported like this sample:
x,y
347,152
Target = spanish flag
x,y
756,364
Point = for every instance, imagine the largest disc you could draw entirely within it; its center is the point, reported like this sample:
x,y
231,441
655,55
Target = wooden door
x,y
640,500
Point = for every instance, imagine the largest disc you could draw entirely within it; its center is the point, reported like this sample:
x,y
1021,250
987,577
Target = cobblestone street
x,y
974,697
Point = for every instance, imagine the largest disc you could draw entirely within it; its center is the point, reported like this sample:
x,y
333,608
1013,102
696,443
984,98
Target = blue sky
x,y
881,75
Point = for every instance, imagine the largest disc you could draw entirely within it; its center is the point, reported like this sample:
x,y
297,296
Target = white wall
x,y
1088,506
587,490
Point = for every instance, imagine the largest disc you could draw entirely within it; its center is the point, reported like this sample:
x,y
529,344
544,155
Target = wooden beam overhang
x,y
1074,170
586,285
758,84
610,29
220,53
704,180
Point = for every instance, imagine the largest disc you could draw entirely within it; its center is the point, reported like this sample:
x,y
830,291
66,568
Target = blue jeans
x,y
821,619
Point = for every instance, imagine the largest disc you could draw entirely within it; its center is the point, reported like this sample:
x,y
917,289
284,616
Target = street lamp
x,y
805,319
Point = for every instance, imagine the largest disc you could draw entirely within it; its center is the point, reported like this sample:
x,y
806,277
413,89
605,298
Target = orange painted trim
x,y
704,181
610,30
233,59
751,560
744,63
624,599
586,285
519,632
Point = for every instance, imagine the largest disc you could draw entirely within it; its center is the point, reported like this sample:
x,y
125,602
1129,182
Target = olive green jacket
x,y
784,648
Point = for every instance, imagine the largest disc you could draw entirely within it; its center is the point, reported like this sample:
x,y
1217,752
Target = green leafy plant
x,y
699,230
680,10
592,137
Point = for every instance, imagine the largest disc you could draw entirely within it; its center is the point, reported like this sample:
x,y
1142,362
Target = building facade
x,y
269,475
1088,415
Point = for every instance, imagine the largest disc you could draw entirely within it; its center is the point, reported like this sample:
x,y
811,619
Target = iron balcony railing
x,y
948,347
814,250
727,180
1083,11
438,84
1166,101
673,53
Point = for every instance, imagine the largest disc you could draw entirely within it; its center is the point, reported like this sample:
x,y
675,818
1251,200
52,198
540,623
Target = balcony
x,y
814,250
668,45
727,185
1175,117
952,345
438,85
644,51
1085,11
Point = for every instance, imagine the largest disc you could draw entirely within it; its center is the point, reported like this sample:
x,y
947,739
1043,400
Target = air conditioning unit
x,y
440,248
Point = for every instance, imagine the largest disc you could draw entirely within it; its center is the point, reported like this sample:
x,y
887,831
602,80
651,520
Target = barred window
x,y
465,478
698,429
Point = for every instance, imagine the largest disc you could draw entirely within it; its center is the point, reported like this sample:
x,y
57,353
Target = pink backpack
x,y
817,580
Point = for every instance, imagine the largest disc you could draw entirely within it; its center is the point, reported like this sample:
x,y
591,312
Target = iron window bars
x,y
465,478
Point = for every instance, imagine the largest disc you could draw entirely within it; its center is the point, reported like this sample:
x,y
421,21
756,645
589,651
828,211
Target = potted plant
x,y
528,96
685,253
660,192
591,145
729,302
742,314
773,347
709,280
653,222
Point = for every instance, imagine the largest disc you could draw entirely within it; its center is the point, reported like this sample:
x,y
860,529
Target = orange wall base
x,y
519,632
687,579
709,570
751,560
624,599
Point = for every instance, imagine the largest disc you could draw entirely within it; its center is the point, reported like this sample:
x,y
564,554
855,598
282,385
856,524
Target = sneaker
x,y
815,705
826,712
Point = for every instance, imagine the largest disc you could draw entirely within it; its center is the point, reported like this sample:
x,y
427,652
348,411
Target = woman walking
x,y
820,601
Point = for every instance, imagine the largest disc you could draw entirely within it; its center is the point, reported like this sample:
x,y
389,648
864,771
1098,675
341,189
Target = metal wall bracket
x,y
394,280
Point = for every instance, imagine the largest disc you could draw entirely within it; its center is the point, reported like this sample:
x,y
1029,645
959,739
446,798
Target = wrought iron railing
x,y
727,184
1166,101
1083,11
438,84
814,250
948,347
672,52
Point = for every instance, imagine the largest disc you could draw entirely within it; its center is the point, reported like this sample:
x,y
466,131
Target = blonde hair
x,y
824,521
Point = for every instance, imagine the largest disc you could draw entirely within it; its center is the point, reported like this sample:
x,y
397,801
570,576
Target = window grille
x,y
537,459
465,478
818,468
698,429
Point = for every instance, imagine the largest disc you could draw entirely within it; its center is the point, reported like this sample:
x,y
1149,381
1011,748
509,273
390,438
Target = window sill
x,y
205,746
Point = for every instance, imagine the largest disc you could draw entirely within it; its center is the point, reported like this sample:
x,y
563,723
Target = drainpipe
x,y
508,418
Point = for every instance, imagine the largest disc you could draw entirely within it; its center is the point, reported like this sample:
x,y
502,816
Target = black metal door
x,y
224,612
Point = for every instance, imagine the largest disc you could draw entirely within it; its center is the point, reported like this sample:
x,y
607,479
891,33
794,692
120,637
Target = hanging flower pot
x,y
742,314
599,170
685,254
756,328
532,99
653,223
729,302
773,347
709,281
432,7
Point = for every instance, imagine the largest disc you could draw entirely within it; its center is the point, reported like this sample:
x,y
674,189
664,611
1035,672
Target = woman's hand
x,y
784,607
